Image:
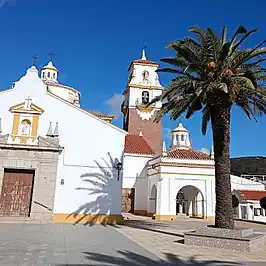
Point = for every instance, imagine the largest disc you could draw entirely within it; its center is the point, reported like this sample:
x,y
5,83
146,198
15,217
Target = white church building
x,y
52,167
178,182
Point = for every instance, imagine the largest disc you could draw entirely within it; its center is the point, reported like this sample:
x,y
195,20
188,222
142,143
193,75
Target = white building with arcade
x,y
180,181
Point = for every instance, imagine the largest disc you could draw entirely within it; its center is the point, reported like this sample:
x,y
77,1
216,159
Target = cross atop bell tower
x,y
142,86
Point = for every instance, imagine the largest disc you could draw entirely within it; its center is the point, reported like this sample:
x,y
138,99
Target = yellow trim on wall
x,y
88,218
16,119
145,109
210,218
145,86
35,124
140,212
159,217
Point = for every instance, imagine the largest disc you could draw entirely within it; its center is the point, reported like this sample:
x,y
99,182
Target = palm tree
x,y
212,74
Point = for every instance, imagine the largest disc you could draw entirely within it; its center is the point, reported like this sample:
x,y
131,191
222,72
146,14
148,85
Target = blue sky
x,y
95,41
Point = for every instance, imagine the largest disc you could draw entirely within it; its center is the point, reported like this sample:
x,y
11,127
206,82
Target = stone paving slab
x,y
162,245
24,244
65,244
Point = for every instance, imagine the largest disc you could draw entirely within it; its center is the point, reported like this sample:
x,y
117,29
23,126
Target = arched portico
x,y
190,202
153,199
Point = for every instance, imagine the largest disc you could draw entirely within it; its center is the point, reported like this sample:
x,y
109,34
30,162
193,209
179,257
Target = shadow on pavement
x,y
150,226
127,258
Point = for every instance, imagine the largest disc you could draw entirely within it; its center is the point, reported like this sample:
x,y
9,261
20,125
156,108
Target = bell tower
x,y
143,85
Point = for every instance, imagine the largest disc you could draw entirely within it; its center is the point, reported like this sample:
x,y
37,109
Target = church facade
x,y
52,168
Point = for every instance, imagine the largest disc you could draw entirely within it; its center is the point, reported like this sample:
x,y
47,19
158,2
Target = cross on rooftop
x,y
28,101
51,55
34,59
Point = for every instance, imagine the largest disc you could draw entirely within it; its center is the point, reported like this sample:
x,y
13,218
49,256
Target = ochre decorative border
x,y
88,218
140,86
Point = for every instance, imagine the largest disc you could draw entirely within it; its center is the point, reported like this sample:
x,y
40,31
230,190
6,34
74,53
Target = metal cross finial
x,y
28,101
144,45
51,55
34,59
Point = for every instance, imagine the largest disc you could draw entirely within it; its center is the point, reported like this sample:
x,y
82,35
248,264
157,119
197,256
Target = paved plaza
x,y
140,241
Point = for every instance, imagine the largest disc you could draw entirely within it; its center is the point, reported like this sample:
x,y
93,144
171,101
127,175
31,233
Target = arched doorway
x,y
235,202
190,202
153,198
239,211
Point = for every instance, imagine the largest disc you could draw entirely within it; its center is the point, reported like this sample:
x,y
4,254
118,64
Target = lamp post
x,y
118,167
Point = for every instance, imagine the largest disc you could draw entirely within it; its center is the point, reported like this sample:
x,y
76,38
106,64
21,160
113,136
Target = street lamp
x,y
118,167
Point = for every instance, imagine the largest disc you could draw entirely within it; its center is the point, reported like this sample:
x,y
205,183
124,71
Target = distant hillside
x,y
248,165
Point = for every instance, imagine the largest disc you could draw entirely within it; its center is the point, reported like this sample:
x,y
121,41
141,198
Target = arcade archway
x,y
190,202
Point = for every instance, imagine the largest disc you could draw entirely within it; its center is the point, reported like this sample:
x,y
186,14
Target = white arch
x,y
238,212
190,202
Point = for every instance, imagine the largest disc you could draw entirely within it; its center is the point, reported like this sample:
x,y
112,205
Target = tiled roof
x,y
141,61
188,154
252,194
137,144
105,117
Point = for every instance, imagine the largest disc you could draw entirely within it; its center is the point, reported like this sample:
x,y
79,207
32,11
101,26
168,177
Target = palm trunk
x,y
220,118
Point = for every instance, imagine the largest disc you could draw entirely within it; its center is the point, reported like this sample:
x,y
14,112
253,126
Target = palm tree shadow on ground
x,y
129,258
105,186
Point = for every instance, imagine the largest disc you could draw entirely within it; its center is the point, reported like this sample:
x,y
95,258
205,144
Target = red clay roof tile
x,y
137,144
142,61
188,154
252,194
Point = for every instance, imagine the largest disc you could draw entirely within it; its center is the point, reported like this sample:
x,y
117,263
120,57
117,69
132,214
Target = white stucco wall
x,y
133,166
172,179
137,75
90,182
141,188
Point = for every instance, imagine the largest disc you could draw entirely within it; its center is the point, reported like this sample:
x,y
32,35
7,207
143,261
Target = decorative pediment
x,y
26,107
25,122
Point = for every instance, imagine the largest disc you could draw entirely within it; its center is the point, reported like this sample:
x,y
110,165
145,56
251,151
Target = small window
x,y
182,137
145,97
43,75
258,212
54,75
48,75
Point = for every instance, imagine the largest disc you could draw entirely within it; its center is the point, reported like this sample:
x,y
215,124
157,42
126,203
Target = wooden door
x,y
16,193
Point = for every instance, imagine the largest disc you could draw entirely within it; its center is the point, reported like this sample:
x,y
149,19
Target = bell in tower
x,y
143,85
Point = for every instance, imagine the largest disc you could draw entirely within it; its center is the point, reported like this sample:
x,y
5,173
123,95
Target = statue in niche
x,y
25,127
